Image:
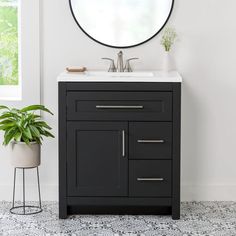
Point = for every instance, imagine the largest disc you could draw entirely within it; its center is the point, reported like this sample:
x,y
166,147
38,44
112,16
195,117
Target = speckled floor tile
x,y
197,219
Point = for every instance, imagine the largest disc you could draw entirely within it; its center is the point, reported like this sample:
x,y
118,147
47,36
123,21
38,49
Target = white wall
x,y
29,47
206,59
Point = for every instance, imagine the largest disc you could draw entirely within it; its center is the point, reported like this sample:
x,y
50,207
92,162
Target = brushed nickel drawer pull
x,y
123,143
151,141
150,179
118,107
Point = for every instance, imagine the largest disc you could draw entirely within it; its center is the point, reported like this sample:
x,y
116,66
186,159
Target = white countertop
x,y
159,76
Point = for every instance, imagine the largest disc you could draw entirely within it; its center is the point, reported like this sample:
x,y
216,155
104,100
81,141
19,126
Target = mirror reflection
x,y
121,23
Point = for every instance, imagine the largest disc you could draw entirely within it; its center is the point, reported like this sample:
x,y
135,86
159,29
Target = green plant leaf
x,y
25,139
4,107
24,122
32,118
35,108
34,131
48,134
15,111
37,140
6,115
41,130
36,116
42,124
6,121
7,126
27,133
9,136
18,136
2,127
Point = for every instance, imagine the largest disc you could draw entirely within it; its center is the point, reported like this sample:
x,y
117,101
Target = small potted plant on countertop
x,y
168,38
24,131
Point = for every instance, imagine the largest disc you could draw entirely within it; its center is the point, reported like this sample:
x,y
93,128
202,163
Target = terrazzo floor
x,y
197,219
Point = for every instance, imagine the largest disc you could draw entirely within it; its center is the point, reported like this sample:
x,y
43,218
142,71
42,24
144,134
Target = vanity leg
x,y
176,151
62,210
176,212
62,152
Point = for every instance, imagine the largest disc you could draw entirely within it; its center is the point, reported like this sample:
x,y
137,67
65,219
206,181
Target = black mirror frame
x,y
111,46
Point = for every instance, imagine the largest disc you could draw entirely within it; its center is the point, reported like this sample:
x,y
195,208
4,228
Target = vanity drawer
x,y
150,140
150,178
119,105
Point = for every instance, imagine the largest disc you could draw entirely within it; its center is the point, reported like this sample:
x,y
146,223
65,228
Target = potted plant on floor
x,y
24,131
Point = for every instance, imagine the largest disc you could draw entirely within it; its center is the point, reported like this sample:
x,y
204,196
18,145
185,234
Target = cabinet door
x,y
97,163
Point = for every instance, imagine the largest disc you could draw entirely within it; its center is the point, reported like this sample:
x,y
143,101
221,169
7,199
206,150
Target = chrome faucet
x,y
128,66
112,67
120,63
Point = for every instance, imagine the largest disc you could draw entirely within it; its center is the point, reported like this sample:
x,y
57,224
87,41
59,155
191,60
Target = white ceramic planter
x,y
25,156
168,62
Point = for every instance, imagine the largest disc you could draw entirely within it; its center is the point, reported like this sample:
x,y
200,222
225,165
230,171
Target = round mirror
x,y
121,23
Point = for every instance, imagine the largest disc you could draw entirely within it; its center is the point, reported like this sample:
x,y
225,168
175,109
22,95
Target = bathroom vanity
x,y
119,143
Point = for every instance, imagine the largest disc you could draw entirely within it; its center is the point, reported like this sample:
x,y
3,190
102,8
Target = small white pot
x,y
168,62
25,156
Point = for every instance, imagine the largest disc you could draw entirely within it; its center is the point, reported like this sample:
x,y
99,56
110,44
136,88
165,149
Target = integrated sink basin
x,y
120,74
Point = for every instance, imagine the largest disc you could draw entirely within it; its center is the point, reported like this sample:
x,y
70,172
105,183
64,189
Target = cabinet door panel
x,y
97,164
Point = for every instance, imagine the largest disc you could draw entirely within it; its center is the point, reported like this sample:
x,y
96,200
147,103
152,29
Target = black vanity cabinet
x,y
119,148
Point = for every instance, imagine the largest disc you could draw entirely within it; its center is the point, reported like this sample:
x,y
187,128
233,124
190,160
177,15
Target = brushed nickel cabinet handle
x,y
150,179
118,107
123,143
150,141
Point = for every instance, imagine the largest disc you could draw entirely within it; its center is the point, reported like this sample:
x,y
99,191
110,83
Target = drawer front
x,y
150,178
119,106
150,140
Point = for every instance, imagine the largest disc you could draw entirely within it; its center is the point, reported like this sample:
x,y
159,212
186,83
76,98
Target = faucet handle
x,y
127,64
112,67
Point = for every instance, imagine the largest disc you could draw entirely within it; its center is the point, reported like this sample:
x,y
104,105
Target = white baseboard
x,y
208,192
188,192
48,192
